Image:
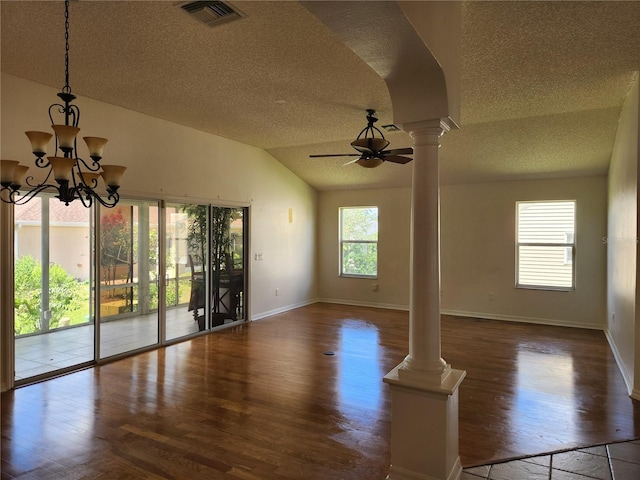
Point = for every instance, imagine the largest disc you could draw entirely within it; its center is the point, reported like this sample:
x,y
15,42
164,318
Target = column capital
x,y
426,131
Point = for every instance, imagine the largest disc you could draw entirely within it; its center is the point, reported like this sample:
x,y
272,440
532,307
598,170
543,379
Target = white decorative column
x,y
424,388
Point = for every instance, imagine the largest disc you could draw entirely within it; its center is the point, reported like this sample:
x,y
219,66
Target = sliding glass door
x,y
77,268
128,277
227,265
186,275
53,316
205,280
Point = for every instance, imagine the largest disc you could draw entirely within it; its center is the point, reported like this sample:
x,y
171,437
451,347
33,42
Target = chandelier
x,y
75,178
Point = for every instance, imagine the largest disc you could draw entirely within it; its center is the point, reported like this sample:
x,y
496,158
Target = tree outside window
x,y
359,242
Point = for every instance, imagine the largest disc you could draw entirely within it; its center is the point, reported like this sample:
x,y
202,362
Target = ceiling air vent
x,y
212,13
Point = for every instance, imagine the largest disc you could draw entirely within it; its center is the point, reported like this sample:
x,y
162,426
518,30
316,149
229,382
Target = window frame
x,y
568,246
342,242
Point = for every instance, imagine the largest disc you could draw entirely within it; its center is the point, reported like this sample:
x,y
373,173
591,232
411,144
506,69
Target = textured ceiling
x,y
541,89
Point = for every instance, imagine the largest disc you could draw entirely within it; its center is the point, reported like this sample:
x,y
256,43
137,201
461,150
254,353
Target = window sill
x,y
548,288
349,275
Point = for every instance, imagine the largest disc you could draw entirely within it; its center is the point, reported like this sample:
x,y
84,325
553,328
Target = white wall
x,y
394,216
478,252
622,237
169,161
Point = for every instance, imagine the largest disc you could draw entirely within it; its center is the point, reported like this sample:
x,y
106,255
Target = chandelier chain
x,y
66,88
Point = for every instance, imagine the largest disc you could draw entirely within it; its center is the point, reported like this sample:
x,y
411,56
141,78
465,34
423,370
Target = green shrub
x,y
67,296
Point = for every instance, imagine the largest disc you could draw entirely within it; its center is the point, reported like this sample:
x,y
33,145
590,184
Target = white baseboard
x,y
355,303
625,374
278,310
458,313
511,318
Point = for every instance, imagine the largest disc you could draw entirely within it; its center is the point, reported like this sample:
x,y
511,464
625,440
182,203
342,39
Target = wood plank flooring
x,y
263,401
535,388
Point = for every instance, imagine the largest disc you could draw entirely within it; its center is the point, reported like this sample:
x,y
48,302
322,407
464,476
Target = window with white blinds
x,y
545,244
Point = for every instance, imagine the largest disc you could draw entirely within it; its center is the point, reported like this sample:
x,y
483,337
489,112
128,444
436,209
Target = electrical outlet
x,y
277,292
492,296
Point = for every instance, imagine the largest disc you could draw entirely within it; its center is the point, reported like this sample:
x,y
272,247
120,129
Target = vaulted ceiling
x,y
541,88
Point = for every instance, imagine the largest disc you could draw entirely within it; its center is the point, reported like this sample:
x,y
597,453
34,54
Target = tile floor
x,y
616,461
45,353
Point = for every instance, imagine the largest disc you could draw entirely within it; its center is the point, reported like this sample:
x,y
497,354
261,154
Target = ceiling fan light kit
x,y
371,148
369,163
366,145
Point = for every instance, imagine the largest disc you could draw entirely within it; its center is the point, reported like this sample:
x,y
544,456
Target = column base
x,y
396,473
424,427
418,376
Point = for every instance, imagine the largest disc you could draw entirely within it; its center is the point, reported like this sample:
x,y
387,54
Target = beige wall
x,y
69,247
393,248
169,161
622,241
478,252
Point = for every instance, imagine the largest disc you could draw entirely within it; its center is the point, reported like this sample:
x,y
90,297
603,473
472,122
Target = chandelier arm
x,y
42,162
94,181
73,111
75,181
60,110
111,200
68,109
30,178
92,167
25,197
87,198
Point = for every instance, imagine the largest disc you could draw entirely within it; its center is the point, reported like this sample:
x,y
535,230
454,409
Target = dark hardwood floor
x,y
262,401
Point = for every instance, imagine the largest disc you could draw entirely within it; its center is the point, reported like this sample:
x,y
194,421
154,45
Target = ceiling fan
x,y
371,149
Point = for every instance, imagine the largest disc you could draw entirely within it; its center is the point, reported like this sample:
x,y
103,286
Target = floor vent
x,y
212,13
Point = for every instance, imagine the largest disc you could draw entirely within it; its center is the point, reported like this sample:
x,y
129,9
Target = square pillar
x,y
424,429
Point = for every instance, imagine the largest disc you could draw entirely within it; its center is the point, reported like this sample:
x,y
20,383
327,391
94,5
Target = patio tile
x,y
32,372
44,353
28,352
27,364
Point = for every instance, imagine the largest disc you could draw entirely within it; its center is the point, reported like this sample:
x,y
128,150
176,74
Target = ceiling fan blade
x,y
350,162
399,151
335,155
397,159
